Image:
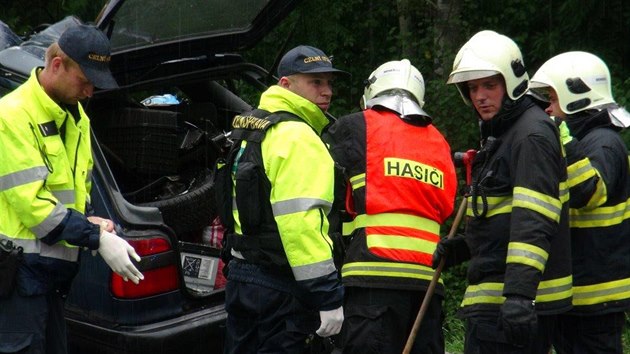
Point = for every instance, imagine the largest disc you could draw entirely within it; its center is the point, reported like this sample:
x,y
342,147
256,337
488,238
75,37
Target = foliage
x,y
455,284
27,15
362,34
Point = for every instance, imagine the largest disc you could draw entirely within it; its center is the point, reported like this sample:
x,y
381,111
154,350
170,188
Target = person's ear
x,y
284,82
56,64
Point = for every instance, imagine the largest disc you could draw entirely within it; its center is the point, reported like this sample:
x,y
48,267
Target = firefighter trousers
x,y
264,319
379,321
484,337
590,334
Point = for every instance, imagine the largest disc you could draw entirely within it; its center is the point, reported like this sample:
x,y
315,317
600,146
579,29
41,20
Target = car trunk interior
x,y
161,139
162,153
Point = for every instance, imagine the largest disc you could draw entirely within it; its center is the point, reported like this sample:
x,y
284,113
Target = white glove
x,y
331,322
116,251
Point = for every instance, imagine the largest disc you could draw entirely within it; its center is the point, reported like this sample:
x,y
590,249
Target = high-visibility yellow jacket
x,y
518,232
599,181
41,177
283,192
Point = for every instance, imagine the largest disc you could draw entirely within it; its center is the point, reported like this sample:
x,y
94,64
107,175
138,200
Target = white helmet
x,y
581,80
486,54
394,75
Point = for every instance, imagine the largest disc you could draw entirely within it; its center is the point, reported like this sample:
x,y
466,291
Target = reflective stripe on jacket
x,y
599,178
403,186
518,231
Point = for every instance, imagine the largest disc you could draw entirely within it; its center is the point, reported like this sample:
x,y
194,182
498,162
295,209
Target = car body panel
x,y
196,332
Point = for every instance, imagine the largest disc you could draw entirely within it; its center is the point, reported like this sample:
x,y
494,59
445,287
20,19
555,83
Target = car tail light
x,y
157,280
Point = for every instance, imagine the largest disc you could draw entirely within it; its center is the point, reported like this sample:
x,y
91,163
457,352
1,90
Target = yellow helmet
x,y
486,54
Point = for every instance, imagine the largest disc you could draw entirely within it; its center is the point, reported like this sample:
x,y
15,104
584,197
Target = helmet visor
x,y
464,76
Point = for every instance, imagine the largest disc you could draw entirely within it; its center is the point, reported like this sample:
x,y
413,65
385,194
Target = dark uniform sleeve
x,y
75,229
595,167
342,139
537,167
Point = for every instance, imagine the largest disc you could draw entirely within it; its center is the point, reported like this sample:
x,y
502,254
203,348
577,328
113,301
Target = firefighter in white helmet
x,y
580,98
519,275
400,188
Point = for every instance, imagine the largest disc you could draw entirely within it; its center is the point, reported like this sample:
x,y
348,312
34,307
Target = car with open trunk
x,y
155,141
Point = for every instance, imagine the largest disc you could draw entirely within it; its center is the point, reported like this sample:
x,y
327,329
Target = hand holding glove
x,y
448,247
116,252
518,320
331,322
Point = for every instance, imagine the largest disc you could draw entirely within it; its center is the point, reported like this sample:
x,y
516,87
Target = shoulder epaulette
x,y
253,125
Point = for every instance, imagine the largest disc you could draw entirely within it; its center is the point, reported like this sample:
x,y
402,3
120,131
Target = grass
x,y
454,327
454,330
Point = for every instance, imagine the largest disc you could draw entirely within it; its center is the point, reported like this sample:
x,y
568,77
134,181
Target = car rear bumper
x,y
198,332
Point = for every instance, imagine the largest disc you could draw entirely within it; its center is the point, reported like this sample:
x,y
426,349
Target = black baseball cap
x,y
90,48
305,59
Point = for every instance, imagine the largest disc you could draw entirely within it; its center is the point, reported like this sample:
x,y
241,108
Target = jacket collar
x,y
277,99
582,123
509,114
50,107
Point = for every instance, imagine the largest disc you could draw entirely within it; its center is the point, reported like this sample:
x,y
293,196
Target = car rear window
x,y
141,22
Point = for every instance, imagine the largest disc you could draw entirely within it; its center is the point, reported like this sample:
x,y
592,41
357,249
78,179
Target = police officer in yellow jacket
x,y
45,173
519,274
282,281
579,88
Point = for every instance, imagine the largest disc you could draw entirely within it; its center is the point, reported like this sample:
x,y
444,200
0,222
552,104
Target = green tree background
x,y
362,34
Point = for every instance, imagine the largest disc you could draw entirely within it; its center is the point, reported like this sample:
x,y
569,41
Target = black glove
x,y
454,250
518,320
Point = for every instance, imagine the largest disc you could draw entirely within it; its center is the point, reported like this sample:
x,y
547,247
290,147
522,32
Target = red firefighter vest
x,y
406,191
